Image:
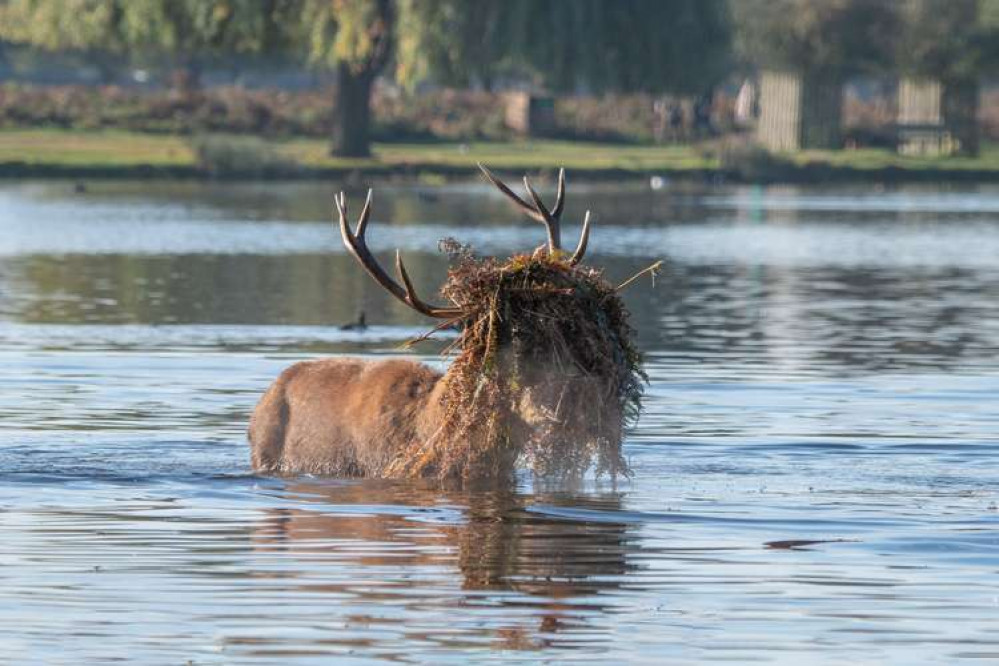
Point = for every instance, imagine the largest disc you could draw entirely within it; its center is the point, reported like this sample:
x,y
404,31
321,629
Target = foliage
x,y
546,370
64,25
245,155
357,32
750,162
453,41
600,45
834,38
181,31
603,45
216,110
935,38
439,114
611,118
948,39
203,28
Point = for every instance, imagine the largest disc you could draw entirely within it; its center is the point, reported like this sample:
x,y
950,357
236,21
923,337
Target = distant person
x,y
675,114
659,113
745,104
669,120
702,115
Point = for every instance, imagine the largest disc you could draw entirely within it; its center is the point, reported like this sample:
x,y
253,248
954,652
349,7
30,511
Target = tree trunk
x,y
960,109
821,112
352,113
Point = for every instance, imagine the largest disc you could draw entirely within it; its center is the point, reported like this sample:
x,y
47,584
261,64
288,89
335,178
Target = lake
x,y
815,472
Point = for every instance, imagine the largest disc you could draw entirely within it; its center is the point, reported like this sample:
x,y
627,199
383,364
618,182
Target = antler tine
x,y
358,247
538,211
560,197
501,186
414,300
362,222
339,206
341,209
584,239
549,220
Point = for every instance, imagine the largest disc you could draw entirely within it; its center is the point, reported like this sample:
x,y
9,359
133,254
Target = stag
x,y
513,388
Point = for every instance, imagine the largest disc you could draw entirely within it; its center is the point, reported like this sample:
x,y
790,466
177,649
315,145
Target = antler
x,y
550,218
359,248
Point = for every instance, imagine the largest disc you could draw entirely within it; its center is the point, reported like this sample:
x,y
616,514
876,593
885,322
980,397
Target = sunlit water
x,y
815,474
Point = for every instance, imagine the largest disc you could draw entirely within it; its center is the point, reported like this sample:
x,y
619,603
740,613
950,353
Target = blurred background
x,y
736,87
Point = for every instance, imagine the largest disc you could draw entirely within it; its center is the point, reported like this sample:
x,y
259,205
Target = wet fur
x,y
344,417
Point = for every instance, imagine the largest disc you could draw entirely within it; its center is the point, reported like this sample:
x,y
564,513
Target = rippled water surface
x,y
815,473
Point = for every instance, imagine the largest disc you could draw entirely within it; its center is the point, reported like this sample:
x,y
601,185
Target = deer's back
x,y
343,417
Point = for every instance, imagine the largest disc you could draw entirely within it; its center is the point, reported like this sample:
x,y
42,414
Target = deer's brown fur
x,y
344,417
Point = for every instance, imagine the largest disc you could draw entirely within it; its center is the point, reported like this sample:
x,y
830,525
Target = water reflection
x,y
852,319
777,276
554,570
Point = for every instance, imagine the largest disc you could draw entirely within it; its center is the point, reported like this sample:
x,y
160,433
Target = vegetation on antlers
x,y
545,371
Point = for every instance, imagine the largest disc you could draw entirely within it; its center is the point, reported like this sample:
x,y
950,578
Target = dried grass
x,y
545,373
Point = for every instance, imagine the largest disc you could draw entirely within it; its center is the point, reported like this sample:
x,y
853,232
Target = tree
x,y
184,33
90,27
949,40
187,34
639,45
454,42
602,45
805,49
829,38
356,37
944,47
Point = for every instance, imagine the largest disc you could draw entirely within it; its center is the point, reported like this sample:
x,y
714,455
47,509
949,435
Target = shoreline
x,y
810,174
113,154
395,172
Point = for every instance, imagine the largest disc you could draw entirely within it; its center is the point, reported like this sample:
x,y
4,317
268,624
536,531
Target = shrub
x,y
750,162
221,155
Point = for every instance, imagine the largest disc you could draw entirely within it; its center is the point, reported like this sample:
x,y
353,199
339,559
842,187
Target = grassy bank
x,y
100,151
78,154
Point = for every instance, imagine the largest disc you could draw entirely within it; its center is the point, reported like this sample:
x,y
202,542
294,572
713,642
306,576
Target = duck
x,y
358,324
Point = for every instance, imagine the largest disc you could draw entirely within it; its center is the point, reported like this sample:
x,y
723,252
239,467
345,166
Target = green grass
x,y
95,149
119,150
872,159
114,149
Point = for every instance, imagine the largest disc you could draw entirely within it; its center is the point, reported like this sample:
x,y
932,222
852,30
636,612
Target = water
x,y
814,473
